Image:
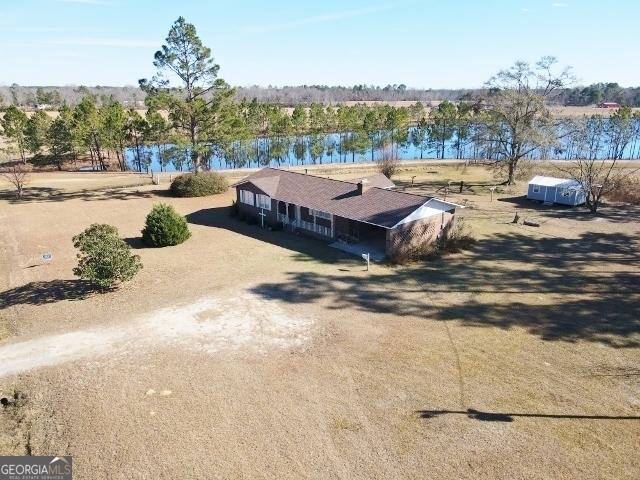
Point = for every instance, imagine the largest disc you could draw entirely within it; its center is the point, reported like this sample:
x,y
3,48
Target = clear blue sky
x,y
422,43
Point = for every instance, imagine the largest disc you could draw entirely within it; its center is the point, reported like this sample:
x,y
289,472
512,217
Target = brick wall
x,y
413,235
246,210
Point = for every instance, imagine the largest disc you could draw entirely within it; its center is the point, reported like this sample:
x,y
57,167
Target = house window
x,y
320,214
263,201
536,189
246,197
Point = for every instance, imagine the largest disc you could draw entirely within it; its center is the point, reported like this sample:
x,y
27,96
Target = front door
x,y
291,208
354,229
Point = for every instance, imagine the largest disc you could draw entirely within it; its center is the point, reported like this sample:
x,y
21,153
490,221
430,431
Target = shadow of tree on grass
x,y
612,212
593,295
48,194
511,416
42,293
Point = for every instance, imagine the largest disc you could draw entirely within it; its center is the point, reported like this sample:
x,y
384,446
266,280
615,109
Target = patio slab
x,y
375,248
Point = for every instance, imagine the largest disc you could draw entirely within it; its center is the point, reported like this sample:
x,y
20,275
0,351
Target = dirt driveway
x,y
252,354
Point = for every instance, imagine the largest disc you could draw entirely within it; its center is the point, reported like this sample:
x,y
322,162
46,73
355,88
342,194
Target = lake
x,y
277,151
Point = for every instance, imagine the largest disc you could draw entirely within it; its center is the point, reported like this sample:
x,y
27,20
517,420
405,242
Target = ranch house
x,y
363,215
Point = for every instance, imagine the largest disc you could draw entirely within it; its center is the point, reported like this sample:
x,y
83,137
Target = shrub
x,y
423,251
388,163
198,185
458,238
626,190
104,257
165,227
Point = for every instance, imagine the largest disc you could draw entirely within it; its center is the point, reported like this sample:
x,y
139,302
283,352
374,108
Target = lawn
x,y
247,353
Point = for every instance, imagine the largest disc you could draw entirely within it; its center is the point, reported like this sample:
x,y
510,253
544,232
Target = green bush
x,y
104,257
165,227
198,185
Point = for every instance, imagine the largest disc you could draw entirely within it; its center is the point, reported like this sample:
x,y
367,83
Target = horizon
x,y
70,43
280,87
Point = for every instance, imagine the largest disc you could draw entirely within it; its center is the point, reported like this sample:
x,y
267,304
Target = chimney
x,y
363,186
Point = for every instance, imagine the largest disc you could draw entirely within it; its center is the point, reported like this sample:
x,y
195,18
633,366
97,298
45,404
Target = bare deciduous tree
x,y
17,174
517,118
596,177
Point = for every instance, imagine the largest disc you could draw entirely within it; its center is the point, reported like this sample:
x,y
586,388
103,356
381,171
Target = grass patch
x,y
343,423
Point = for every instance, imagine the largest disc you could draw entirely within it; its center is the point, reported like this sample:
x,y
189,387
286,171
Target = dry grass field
x,y
245,353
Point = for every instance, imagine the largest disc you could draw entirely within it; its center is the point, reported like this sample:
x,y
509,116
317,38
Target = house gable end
x,y
430,208
250,186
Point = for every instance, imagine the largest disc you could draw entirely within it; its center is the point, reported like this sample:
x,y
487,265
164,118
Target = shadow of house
x,y
522,201
307,248
42,293
607,311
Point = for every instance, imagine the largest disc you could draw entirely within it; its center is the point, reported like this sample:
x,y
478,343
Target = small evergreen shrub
x,y
165,227
104,257
198,185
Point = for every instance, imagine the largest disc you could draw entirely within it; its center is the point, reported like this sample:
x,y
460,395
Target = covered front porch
x,y
295,217
374,247
359,237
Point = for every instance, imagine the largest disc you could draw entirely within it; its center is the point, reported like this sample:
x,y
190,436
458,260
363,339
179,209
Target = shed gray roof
x,y
377,206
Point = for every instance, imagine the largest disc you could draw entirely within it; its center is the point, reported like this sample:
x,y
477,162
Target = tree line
x,y
101,133
250,133
53,98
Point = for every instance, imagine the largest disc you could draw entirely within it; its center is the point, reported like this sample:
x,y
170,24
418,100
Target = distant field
x,y
557,111
560,111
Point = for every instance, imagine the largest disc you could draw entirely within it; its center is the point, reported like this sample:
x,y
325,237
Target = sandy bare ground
x,y
207,325
250,354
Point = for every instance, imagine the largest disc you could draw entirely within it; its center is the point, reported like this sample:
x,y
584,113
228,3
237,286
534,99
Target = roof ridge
x,y
345,181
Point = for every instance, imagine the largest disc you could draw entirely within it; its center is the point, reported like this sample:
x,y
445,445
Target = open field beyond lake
x,y
245,353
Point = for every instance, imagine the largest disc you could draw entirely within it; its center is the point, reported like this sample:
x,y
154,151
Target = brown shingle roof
x,y
379,180
377,206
